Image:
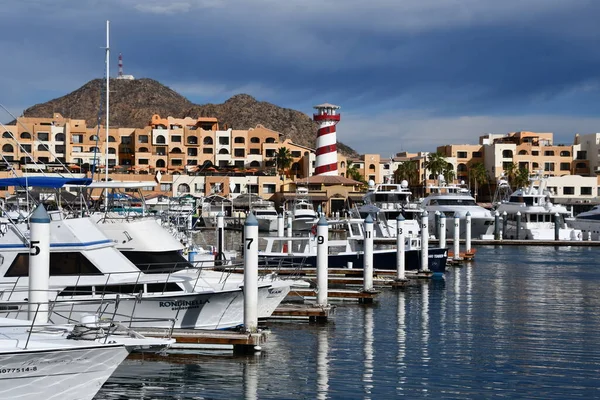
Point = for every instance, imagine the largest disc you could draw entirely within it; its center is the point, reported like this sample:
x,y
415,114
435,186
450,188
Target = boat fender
x,y
313,230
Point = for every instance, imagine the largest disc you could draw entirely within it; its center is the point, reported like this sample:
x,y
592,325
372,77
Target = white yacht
x,y
304,216
455,200
537,213
385,202
39,363
588,222
265,214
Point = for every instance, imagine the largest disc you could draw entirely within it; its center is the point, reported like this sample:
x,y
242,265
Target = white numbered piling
x,y
468,232
590,235
436,228
400,249
280,225
556,226
443,231
251,273
456,240
504,224
497,226
39,265
290,233
322,260
220,238
518,234
425,242
368,254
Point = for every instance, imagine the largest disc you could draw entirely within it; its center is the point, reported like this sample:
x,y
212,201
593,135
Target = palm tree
x,y
478,174
448,172
407,170
511,171
352,172
436,164
283,159
521,177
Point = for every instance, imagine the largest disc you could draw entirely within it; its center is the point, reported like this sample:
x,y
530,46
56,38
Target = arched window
x,y
523,152
94,149
223,151
160,139
7,148
306,153
207,141
60,137
7,135
111,139
239,140
565,153
270,140
372,167
295,167
93,138
112,150
143,149
42,147
254,140
25,135
535,165
183,188
255,164
160,163
343,164
176,150
192,140
461,167
507,153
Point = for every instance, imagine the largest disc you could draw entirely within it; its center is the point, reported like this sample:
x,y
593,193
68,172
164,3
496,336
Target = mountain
x,y
132,103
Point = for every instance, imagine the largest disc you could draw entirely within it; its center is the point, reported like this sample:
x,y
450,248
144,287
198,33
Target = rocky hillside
x,y
132,103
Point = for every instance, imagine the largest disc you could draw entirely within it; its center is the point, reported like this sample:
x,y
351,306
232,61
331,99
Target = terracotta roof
x,y
329,180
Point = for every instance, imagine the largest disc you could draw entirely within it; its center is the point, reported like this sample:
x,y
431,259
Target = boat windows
x,y
157,262
456,202
60,264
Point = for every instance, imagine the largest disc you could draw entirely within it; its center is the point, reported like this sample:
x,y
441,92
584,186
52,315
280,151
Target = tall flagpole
x,y
107,111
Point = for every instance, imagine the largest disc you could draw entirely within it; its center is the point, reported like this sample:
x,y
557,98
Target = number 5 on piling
x,y
33,249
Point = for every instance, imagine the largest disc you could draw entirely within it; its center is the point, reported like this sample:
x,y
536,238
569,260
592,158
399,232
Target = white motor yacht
x,y
265,214
456,200
304,216
537,214
588,222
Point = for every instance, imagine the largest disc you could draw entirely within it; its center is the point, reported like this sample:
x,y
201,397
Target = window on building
x,y
343,164
192,162
476,154
25,135
239,164
535,165
223,151
296,154
7,148
581,165
112,150
548,166
208,141
176,150
372,167
192,152
166,187
239,152
143,139
255,164
60,149
461,154
461,168
176,162
60,137
252,188
127,139
270,152
6,135
176,138
254,140
535,153
143,150
565,166
160,139
582,155
568,190
239,140
76,149
74,138
192,140
111,139
270,140
254,151
207,150
161,151
268,188
143,161
522,152
223,140
586,191
507,153
42,147
549,153
160,163
43,136
565,153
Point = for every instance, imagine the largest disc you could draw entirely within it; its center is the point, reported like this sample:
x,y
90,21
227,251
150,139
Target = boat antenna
x,y
107,110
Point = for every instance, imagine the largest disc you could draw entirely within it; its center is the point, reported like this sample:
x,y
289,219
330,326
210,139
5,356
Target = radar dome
x,y
462,182
404,183
371,182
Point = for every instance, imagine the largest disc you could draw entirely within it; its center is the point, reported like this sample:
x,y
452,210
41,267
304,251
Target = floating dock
x,y
239,342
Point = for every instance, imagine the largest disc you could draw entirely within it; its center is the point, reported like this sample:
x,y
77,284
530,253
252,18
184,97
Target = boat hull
x,y
382,259
67,374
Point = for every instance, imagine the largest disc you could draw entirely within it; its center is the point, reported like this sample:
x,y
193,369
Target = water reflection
x,y
322,364
250,380
401,340
368,352
425,332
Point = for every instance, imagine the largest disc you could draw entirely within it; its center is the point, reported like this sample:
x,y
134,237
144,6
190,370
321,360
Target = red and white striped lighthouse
x,y
326,163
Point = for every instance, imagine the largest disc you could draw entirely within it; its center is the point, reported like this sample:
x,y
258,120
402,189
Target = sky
x,y
409,75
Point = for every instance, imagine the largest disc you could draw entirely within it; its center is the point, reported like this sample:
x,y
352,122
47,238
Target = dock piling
x,y
468,233
368,254
400,249
443,231
39,265
425,242
322,260
251,274
456,240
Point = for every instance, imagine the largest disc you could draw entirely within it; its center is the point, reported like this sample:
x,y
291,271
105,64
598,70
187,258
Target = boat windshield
x,y
452,202
391,197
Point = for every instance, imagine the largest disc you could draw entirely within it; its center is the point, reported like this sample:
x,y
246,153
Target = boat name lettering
x,y
182,304
17,370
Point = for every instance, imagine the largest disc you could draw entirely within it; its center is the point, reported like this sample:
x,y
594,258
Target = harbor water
x,y
519,322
